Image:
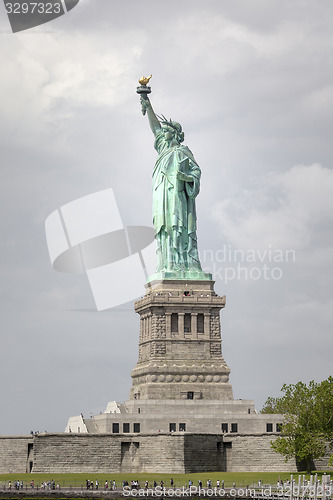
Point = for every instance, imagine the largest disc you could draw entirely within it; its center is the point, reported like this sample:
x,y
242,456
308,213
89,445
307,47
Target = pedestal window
x,y
174,322
200,323
187,323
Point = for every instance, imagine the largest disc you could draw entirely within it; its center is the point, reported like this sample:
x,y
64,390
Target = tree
x,y
307,427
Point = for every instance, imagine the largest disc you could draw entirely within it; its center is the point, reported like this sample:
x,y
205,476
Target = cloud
x,y
285,210
80,69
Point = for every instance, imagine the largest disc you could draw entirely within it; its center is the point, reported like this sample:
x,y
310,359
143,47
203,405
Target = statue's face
x,y
168,132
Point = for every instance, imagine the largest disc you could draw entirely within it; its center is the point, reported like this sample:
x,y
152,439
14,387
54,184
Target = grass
x,y
76,480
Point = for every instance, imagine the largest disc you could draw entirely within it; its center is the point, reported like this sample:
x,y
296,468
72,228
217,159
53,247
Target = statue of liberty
x,y
176,184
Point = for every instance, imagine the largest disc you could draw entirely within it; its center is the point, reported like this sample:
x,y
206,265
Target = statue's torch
x,y
143,90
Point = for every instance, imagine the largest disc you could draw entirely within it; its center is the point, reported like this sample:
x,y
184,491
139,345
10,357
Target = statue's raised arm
x,y
146,106
152,118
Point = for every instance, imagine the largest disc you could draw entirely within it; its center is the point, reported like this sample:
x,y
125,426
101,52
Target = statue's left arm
x,y
193,186
189,172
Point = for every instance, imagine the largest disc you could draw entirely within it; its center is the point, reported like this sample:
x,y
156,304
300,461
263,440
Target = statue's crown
x,y
175,125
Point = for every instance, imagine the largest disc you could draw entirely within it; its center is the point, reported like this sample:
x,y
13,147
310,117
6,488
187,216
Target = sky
x,y
251,84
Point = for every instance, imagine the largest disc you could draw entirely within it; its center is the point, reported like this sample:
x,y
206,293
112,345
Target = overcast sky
x,y
251,84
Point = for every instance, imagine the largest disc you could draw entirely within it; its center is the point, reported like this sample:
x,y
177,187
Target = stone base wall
x,y
252,453
108,453
166,452
203,453
175,453
59,453
161,453
16,453
322,463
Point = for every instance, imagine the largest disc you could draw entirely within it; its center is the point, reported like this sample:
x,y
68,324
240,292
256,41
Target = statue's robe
x,y
174,215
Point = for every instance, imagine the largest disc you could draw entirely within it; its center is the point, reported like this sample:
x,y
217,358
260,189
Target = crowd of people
x,y
18,485
46,485
134,484
91,485
49,485
110,485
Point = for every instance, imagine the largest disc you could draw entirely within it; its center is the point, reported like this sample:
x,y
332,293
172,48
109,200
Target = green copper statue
x,y
176,183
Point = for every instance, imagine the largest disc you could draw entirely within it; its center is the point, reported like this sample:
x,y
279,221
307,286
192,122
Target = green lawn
x,y
240,478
